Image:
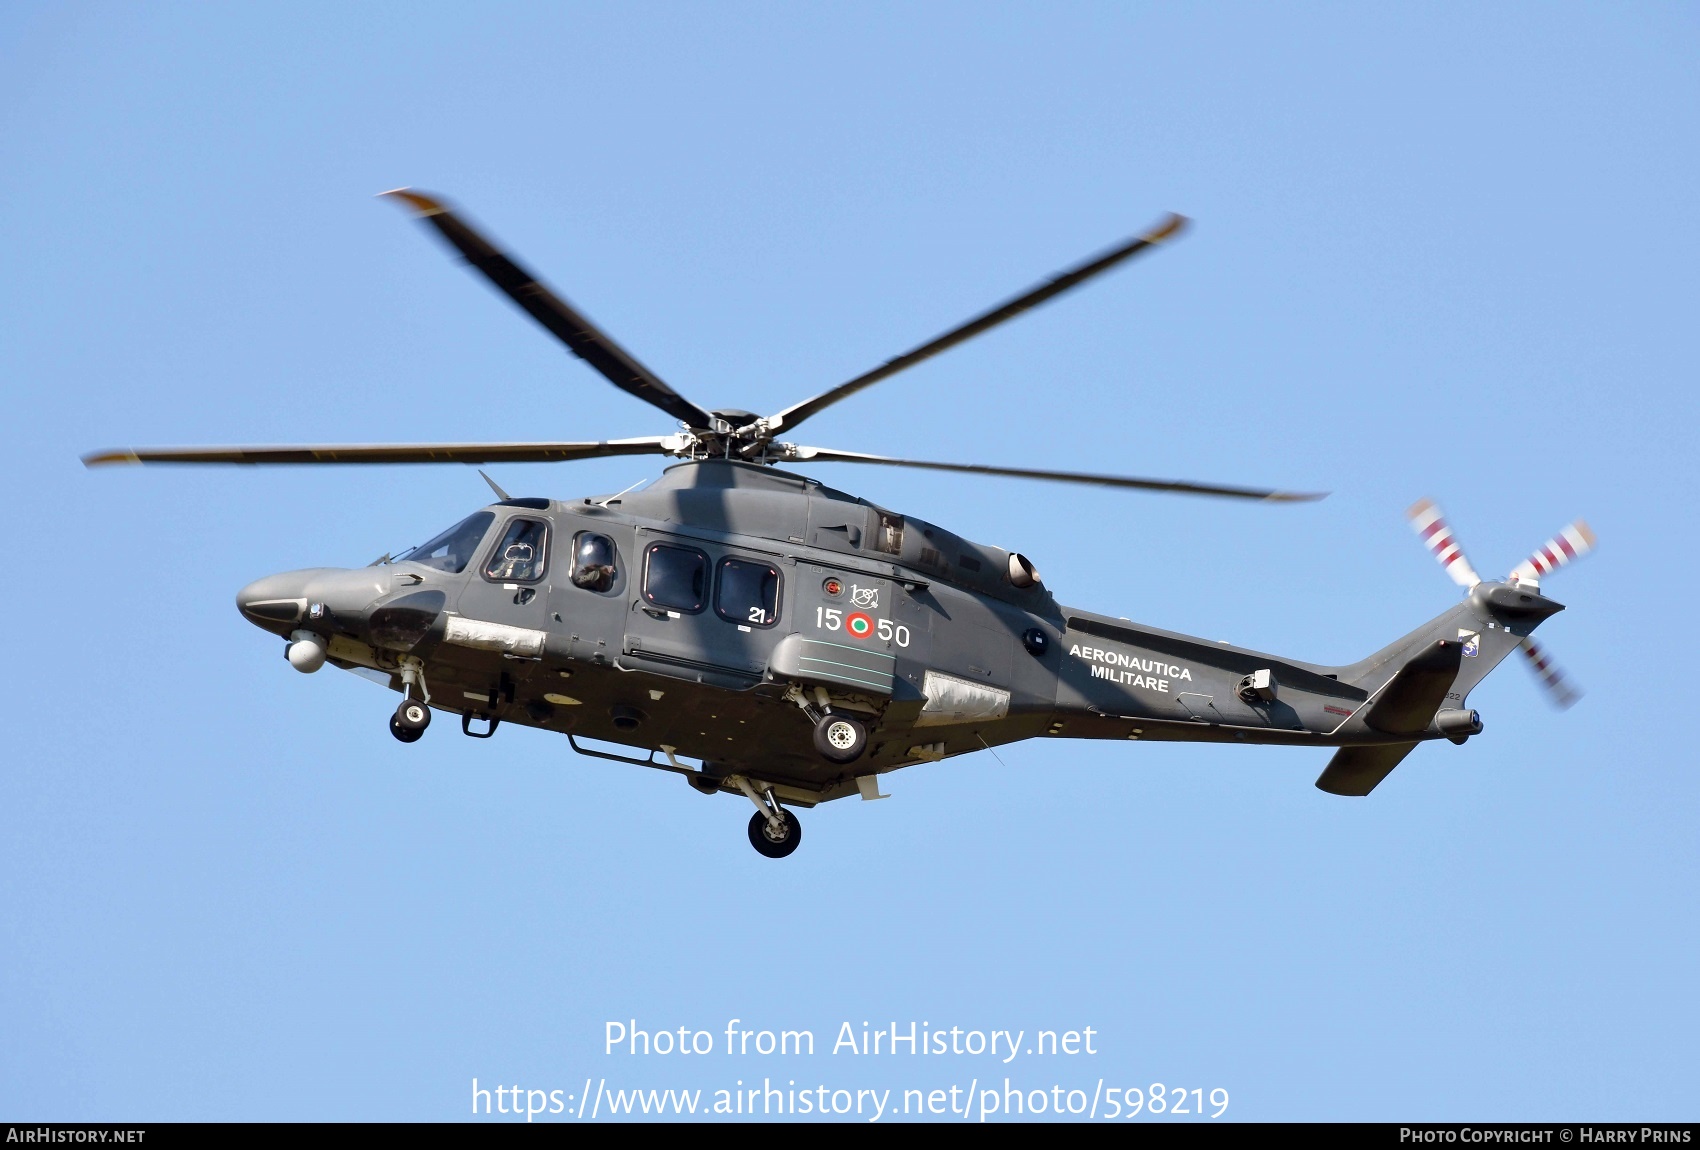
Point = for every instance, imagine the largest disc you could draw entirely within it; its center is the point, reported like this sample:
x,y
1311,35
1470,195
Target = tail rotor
x,y
1561,550
1559,689
1431,526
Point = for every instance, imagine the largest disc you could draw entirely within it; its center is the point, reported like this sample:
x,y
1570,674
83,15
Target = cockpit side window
x,y
596,562
453,549
523,553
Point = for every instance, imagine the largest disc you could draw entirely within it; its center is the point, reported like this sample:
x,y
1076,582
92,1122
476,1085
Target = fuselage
x,y
691,618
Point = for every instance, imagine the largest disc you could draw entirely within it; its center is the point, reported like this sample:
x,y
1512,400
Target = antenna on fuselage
x,y
627,491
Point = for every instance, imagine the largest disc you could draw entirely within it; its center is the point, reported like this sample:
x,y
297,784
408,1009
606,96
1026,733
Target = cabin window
x,y
522,554
596,561
676,578
748,592
453,549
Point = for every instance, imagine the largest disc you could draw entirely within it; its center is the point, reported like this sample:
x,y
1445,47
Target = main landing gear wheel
x,y
840,739
410,720
763,835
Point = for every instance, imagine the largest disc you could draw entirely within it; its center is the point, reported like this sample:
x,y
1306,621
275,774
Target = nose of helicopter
x,y
277,602
290,600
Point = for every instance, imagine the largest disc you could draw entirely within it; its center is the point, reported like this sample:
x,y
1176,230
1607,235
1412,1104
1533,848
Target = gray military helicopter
x,y
799,642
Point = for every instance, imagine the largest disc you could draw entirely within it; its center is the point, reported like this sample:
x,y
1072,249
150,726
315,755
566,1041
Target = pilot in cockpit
x,y
515,562
519,556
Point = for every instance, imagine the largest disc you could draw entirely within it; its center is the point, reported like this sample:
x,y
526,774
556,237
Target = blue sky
x,y
1440,250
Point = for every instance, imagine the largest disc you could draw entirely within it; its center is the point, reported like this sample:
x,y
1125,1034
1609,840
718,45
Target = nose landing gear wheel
x,y
840,739
410,720
762,835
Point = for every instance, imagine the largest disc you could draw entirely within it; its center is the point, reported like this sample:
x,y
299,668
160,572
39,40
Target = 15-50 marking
x,y
832,619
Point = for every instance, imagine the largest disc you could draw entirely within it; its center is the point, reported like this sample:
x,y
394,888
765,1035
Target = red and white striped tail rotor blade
x,y
1553,679
1436,534
1561,550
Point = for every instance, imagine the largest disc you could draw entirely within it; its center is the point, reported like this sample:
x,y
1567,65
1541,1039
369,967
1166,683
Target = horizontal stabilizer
x,y
1357,770
1410,700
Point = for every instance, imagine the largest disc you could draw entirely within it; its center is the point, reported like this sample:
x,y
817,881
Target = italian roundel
x,y
859,625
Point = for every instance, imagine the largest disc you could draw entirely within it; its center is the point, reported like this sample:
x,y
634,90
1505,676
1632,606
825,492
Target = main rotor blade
x,y
386,453
583,338
1052,287
830,455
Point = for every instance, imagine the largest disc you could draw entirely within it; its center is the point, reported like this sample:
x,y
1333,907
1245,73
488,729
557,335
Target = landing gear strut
x,y
413,716
774,831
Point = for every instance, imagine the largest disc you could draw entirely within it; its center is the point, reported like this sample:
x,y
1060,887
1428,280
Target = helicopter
x,y
800,642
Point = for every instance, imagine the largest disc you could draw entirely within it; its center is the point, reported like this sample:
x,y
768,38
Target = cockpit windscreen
x,y
453,549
